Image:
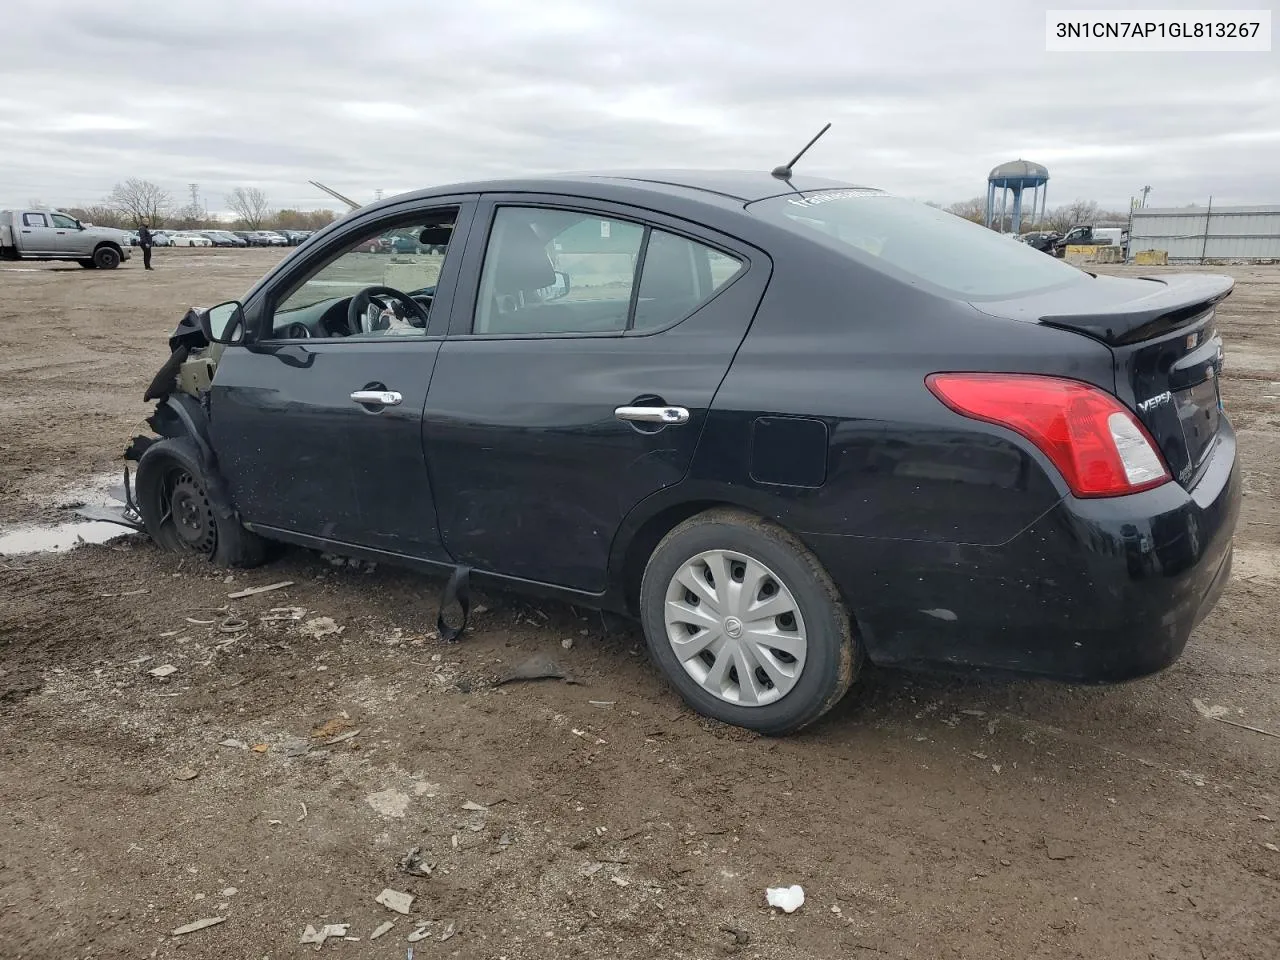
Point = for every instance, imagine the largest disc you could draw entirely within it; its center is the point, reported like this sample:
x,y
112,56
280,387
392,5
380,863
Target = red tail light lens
x,y
1098,445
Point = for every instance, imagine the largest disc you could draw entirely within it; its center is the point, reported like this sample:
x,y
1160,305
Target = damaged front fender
x,y
180,415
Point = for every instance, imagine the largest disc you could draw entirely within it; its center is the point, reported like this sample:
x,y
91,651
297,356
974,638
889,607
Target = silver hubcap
x,y
736,628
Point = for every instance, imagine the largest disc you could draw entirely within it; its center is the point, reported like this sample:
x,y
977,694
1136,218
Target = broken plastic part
x,y
787,899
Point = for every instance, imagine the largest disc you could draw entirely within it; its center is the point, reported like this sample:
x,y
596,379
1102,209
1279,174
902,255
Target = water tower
x,y
1012,178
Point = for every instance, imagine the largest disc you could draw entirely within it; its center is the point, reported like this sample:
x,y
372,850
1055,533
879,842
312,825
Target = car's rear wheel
x,y
746,624
179,514
106,258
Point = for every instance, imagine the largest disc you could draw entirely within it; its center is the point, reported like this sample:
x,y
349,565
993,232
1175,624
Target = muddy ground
x,y
926,818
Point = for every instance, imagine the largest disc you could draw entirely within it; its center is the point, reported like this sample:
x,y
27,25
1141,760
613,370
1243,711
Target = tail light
x,y
1098,444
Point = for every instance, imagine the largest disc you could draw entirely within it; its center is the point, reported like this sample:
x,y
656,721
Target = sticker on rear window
x,y
829,195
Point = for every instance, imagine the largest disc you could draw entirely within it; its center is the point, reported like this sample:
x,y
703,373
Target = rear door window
x,y
550,271
679,276
922,245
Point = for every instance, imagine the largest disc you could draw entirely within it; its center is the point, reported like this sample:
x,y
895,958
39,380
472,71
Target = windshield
x,y
922,245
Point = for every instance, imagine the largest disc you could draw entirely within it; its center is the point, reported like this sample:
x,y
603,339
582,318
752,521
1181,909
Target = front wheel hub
x,y
192,515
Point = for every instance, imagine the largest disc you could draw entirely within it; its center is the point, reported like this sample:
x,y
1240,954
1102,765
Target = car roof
x,y
721,187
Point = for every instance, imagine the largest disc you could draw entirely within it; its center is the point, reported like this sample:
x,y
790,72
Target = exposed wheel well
x,y
648,537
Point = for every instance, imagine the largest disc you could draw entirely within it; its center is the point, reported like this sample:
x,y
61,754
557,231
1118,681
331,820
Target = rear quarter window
x,y
919,244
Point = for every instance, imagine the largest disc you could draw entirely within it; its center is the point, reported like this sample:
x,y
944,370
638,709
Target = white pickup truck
x,y
51,235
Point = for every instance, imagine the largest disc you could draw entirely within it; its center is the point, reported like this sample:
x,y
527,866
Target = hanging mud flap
x,y
126,514
457,590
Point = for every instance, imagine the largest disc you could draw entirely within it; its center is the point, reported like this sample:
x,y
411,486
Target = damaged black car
x,y
788,424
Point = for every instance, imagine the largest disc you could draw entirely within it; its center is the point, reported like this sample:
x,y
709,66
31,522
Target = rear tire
x,y
800,660
106,258
178,513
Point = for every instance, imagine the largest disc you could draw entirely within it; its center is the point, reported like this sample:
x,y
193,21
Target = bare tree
x,y
99,214
139,200
289,219
1065,217
974,209
250,205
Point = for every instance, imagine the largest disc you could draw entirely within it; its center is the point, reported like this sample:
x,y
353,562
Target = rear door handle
x,y
380,398
666,415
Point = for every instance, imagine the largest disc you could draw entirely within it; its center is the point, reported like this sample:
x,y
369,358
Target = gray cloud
x,y
925,97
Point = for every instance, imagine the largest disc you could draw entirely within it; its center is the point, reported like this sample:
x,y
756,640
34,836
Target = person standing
x,y
145,241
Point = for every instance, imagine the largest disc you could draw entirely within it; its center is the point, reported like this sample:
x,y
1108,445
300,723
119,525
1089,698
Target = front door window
x,y
380,286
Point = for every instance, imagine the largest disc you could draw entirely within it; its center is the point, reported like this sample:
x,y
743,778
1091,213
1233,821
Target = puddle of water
x,y
59,537
24,538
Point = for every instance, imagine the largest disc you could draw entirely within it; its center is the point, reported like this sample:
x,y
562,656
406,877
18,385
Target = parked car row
x,y
224,238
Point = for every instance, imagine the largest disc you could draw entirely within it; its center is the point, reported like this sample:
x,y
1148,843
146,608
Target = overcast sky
x,y
924,97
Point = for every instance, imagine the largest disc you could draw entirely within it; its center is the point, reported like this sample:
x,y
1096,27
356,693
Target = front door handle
x,y
380,398
663,415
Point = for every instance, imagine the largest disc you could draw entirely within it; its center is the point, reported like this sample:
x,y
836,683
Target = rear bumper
x,y
1094,591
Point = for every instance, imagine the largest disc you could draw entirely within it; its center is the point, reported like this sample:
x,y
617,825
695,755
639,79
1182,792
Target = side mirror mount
x,y
79,225
223,323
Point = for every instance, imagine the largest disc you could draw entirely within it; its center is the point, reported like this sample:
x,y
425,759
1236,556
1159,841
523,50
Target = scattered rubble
x,y
381,929
198,925
318,937
395,900
167,670
1057,850
320,627
254,591
414,865
389,803
283,614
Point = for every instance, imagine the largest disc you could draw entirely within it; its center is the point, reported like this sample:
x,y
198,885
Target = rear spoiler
x,y
1174,301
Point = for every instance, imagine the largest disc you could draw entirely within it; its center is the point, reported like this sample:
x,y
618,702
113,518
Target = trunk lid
x,y
1163,334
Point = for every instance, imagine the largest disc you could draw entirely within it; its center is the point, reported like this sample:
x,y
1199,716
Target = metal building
x,y
1208,233
1012,178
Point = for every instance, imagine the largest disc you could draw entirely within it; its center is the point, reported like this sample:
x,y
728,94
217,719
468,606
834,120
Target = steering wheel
x,y
360,303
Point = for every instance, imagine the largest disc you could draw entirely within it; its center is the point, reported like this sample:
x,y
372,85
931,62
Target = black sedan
x,y
225,238
1041,240
788,425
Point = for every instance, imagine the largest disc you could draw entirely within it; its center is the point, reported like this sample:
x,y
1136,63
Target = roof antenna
x,y
335,194
784,172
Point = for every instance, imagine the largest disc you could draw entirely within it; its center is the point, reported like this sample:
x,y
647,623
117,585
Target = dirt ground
x,y
929,818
